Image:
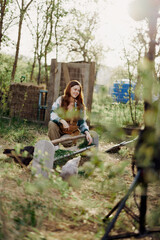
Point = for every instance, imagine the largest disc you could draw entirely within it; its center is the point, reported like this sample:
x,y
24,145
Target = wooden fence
x,y
23,100
62,73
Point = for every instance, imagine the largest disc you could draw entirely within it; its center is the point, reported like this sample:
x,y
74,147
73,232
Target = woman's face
x,y
75,90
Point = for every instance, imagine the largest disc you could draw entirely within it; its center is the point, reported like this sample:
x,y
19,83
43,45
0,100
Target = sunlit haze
x,y
114,29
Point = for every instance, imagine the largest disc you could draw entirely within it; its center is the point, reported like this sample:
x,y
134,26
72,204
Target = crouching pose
x,y
68,115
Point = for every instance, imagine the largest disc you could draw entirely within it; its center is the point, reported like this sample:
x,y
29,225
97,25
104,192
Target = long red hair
x,y
67,94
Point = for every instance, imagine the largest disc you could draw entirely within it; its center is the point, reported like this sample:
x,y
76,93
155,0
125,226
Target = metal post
x,y
143,209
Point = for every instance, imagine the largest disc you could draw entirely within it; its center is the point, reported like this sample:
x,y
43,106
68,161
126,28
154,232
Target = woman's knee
x,y
53,126
53,130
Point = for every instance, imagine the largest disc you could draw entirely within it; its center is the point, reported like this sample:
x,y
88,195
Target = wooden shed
x,y
33,102
62,73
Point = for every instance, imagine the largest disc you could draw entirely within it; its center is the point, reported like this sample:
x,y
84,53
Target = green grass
x,y
35,208
20,131
38,208
109,118
109,113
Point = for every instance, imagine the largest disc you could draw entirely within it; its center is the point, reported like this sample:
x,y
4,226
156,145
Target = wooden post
x,y
85,69
53,89
57,82
66,73
91,85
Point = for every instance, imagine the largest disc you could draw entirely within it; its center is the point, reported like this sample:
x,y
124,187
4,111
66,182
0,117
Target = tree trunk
x,y
46,70
3,7
22,12
46,50
17,47
35,51
152,23
39,71
33,67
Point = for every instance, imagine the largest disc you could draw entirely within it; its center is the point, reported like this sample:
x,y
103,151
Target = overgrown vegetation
x,y
113,116
20,131
34,208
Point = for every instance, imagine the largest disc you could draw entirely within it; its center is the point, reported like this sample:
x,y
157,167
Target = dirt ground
x,y
65,227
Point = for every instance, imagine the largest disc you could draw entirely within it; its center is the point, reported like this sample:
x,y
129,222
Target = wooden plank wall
x,y
62,73
53,88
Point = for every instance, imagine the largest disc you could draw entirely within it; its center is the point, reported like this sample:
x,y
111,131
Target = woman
x,y
68,114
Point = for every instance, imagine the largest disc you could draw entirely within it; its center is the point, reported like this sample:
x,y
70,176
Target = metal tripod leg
x,y
122,204
143,208
126,209
112,210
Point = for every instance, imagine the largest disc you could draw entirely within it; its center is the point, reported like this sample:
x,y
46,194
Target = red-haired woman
x,y
68,114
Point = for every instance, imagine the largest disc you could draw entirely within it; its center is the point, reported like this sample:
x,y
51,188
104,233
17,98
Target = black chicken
x,y
20,158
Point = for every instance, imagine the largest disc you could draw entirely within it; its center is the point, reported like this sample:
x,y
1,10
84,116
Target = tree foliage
x,y
7,19
58,28
80,39
46,35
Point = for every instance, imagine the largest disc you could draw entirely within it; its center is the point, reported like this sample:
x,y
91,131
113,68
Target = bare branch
x,y
28,5
18,4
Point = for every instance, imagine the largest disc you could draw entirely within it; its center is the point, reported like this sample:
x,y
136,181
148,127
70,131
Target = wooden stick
x,y
74,153
60,140
117,147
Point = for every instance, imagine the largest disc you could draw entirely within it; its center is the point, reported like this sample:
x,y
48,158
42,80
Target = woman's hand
x,y
64,123
88,137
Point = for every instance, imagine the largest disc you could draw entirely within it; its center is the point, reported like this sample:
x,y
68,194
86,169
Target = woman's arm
x,y
54,115
84,127
82,122
64,123
88,137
